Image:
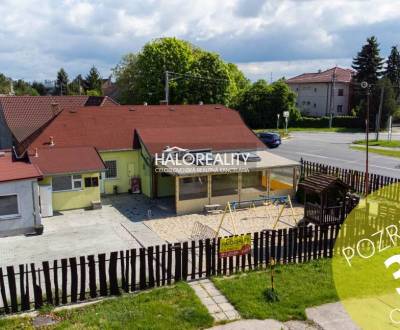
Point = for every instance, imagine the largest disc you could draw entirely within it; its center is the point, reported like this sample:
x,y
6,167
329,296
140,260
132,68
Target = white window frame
x,y
73,180
116,170
12,216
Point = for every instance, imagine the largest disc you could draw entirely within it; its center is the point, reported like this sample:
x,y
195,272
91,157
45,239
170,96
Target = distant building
x,y
324,92
109,88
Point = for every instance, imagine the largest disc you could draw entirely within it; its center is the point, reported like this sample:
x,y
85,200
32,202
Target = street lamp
x,y
365,85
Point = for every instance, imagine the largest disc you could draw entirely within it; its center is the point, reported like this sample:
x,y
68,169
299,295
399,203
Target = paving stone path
x,y
218,306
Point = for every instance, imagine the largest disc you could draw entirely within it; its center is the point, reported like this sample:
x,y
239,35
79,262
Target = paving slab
x,y
331,316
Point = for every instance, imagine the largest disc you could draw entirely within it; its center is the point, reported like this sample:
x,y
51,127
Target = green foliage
x,y
322,122
196,75
40,88
368,63
61,87
5,86
393,67
23,88
93,80
212,86
93,92
260,103
77,86
389,105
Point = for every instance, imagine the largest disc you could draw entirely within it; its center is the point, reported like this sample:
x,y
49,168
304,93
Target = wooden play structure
x,y
324,199
279,201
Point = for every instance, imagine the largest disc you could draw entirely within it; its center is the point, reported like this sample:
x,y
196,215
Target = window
x,y
315,90
193,188
9,206
340,92
224,184
339,108
315,105
92,182
67,182
111,166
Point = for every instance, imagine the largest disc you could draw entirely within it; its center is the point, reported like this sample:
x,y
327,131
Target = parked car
x,y
271,140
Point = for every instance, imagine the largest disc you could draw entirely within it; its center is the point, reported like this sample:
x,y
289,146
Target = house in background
x,y
85,152
19,199
23,116
324,92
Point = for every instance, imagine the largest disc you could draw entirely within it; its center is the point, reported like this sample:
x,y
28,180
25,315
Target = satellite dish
x,y
364,84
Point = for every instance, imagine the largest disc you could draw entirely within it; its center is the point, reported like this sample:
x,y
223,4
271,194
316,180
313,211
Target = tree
x,y
40,88
194,75
93,80
5,84
23,88
389,104
126,73
393,67
61,87
77,86
260,104
368,63
209,80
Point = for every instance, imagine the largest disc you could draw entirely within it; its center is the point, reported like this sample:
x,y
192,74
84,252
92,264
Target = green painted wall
x,y
74,199
166,185
145,172
127,167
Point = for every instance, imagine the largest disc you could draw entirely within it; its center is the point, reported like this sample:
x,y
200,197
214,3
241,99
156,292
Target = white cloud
x,y
37,37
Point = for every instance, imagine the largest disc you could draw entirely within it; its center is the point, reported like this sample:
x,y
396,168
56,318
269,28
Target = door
x,y
46,201
102,189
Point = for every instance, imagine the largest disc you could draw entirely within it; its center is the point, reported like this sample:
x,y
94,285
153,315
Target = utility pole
x,y
364,85
378,119
167,87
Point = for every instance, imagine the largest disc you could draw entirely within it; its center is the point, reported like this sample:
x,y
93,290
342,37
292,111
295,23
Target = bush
x,y
322,122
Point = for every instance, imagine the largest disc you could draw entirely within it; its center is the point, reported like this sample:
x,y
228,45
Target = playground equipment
x,y
283,201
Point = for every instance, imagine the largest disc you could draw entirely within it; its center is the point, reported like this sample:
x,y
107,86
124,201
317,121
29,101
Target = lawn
x,y
298,285
380,143
383,152
311,130
167,308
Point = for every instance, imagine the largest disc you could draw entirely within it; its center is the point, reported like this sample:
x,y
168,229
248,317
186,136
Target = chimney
x,y
36,153
54,108
51,143
201,103
145,103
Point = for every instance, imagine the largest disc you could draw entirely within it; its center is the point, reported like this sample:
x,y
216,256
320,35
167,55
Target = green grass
x,y
167,308
298,285
382,152
380,143
312,130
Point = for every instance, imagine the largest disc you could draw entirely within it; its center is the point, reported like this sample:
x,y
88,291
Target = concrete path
x,y
218,306
331,317
325,317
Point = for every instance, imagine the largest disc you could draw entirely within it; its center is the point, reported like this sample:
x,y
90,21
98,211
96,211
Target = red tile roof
x,y
27,114
194,126
16,170
341,75
60,160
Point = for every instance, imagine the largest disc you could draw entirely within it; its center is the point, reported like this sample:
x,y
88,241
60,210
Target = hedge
x,y
321,122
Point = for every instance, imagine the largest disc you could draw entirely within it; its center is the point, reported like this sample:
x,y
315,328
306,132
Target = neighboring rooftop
x,y
186,126
327,76
25,115
67,160
16,170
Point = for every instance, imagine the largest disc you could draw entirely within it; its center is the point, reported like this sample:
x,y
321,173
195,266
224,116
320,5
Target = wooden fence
x,y
71,280
355,179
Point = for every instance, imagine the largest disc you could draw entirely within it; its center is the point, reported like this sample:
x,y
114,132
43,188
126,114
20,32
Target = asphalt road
x,y
333,149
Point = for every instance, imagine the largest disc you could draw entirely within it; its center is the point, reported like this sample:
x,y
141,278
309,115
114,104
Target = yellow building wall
x,y
127,167
74,199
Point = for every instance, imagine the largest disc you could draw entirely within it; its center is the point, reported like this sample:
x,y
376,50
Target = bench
x,y
212,208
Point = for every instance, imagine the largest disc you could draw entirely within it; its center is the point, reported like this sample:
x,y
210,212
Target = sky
x,y
265,38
